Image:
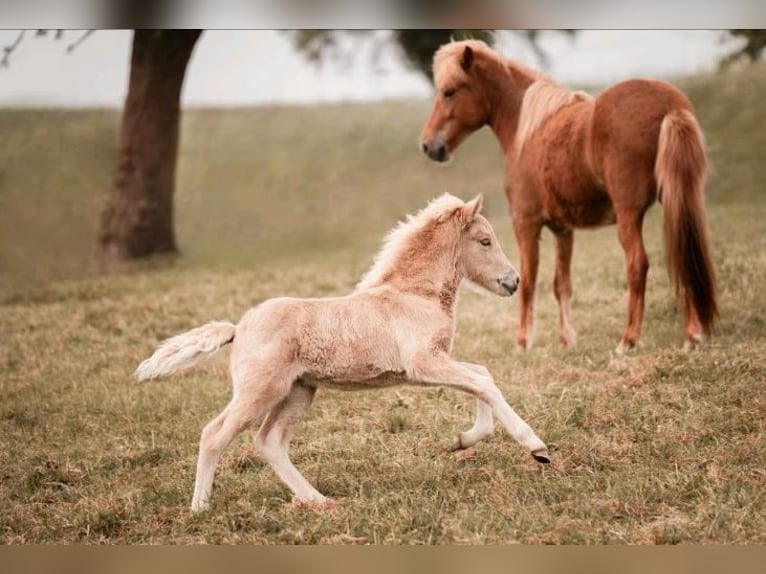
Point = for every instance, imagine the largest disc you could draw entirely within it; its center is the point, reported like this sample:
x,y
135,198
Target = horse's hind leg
x,y
273,441
562,286
250,402
693,333
629,225
482,426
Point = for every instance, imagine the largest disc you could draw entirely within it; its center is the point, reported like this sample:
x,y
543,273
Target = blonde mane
x,y
446,65
400,239
543,98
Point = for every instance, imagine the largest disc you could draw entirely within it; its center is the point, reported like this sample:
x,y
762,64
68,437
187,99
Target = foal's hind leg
x,y
482,426
252,401
273,441
562,286
629,225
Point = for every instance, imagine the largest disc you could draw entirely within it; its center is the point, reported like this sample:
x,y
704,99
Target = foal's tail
x,y
680,173
186,350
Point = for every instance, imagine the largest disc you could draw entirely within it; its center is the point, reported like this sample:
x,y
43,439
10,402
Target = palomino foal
x,y
396,328
574,161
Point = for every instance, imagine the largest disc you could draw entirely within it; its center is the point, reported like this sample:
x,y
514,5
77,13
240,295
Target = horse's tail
x,y
186,350
680,173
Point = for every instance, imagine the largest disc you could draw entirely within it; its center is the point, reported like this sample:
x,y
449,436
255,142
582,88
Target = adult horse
x,y
574,161
397,327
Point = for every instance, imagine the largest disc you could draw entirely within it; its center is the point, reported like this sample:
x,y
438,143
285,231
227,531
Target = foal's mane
x,y
407,237
543,98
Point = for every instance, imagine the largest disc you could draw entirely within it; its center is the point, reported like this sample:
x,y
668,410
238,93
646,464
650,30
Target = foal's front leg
x,y
441,370
482,426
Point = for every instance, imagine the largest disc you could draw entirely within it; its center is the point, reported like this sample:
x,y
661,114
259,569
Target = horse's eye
x,y
449,93
485,242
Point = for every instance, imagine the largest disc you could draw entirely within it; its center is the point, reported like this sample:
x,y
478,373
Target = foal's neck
x,y
436,278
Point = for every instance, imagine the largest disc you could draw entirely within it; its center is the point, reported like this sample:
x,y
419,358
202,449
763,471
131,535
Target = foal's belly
x,y
351,383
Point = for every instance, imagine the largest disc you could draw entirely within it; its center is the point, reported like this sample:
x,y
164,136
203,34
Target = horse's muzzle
x,y
437,151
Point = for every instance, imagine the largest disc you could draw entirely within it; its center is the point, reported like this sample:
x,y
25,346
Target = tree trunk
x,y
137,220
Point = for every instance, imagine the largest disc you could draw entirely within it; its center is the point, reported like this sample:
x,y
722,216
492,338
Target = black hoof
x,y
541,457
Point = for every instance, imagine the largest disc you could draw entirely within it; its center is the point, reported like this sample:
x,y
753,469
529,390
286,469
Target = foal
x,y
396,328
573,162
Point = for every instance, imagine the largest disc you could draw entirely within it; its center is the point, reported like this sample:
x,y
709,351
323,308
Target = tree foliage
x,y
752,48
417,47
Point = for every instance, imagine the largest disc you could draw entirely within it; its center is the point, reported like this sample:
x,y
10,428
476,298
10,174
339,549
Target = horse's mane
x,y
401,239
446,65
542,99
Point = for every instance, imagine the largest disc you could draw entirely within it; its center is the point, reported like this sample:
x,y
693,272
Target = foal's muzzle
x,y
509,282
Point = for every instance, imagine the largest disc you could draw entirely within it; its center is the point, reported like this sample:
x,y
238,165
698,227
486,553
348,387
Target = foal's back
x,y
352,338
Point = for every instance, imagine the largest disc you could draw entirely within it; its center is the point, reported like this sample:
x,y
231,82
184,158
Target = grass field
x,y
659,447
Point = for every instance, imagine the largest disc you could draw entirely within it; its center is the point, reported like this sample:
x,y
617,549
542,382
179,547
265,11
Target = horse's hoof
x,y
624,347
693,343
568,338
541,456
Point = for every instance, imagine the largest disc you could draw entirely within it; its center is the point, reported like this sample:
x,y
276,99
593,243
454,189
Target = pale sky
x,y
258,67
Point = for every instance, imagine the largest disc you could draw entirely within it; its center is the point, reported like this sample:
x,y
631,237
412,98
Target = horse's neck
x,y
505,95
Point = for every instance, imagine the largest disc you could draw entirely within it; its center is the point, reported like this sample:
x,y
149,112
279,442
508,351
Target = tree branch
x,y
74,45
9,49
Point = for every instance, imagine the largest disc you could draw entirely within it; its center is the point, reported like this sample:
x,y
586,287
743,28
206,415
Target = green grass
x,y
658,447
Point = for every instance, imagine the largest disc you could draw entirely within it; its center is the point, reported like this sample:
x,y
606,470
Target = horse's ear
x,y
473,207
467,58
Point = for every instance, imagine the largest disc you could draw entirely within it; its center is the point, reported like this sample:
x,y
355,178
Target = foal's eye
x,y
449,93
485,242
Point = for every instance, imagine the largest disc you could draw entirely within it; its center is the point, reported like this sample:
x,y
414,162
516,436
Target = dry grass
x,y
660,447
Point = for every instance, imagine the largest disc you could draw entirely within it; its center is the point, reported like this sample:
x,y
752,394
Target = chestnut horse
x,y
574,161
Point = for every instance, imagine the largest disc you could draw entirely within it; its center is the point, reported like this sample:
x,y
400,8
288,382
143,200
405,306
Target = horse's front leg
x,y
482,426
562,286
527,231
441,370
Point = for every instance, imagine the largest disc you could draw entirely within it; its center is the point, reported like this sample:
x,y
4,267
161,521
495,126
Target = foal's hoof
x,y
541,455
324,504
456,445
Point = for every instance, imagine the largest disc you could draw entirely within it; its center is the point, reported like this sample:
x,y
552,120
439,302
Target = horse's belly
x,y
581,213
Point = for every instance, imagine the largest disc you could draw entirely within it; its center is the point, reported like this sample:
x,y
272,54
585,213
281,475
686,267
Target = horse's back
x,y
626,127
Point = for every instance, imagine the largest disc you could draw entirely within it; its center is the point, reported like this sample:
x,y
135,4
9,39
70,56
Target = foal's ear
x,y
473,207
467,58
